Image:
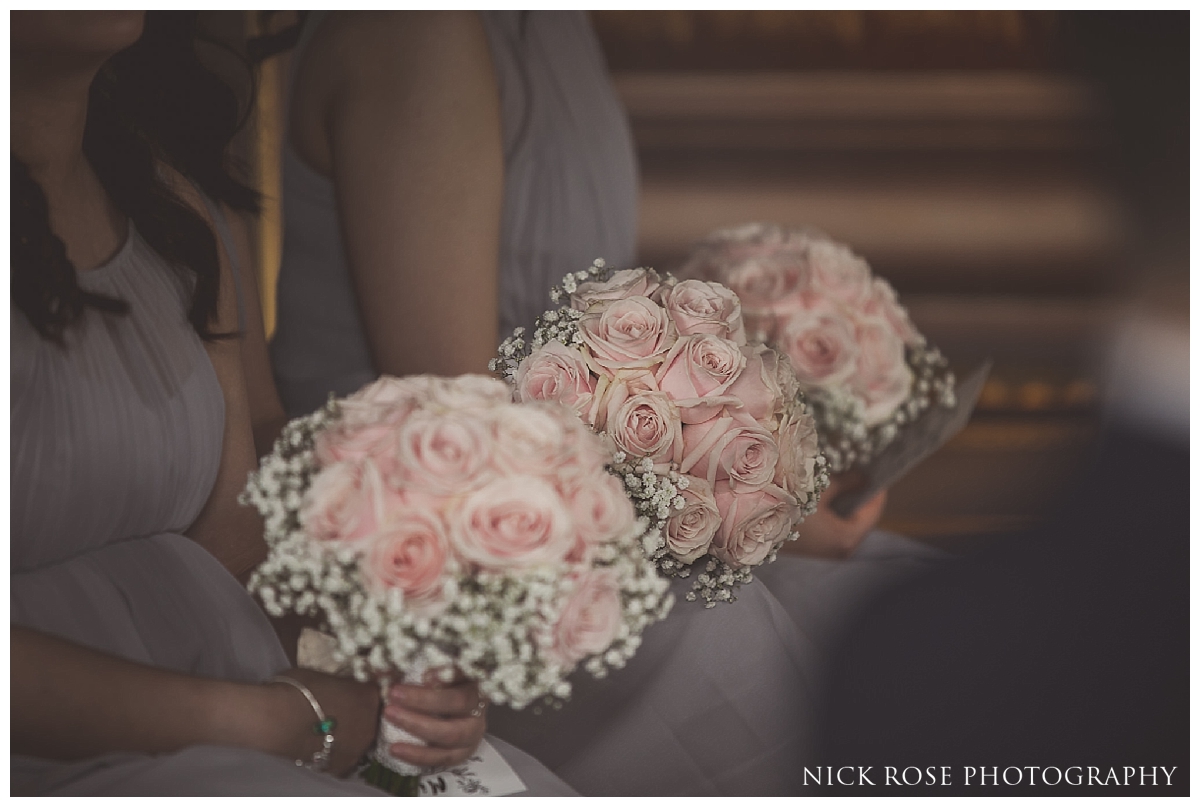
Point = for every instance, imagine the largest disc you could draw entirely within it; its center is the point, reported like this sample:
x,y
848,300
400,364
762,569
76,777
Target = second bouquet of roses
x,y
711,437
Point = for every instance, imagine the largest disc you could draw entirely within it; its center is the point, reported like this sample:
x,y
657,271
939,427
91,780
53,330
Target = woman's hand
x,y
825,534
354,705
450,717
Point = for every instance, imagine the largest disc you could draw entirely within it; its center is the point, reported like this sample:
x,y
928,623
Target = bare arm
x,y
267,416
232,533
401,110
70,702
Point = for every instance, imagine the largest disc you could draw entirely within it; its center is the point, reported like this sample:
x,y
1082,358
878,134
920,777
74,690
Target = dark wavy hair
x,y
153,103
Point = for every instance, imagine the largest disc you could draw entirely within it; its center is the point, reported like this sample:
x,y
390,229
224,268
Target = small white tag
x,y
486,773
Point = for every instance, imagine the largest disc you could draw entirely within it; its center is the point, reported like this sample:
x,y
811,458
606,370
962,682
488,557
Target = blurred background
x,y
970,156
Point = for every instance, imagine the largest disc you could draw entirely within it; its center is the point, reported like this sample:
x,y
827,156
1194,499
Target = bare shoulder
x,y
361,40
388,65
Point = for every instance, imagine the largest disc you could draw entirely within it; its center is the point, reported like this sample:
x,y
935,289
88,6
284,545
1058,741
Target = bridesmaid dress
x,y
716,702
116,442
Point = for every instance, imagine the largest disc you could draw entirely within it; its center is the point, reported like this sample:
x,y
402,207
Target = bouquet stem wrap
x,y
390,733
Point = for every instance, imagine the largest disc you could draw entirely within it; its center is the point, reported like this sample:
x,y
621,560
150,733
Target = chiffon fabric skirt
x,y
823,596
715,702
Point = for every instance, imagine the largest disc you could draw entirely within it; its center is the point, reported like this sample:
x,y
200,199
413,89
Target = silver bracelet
x,y
323,727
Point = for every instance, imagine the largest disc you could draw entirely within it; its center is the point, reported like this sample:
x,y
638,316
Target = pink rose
x,y
601,509
798,449
342,442
697,371
696,306
752,523
343,503
882,378
762,281
530,439
409,553
441,454
644,424
467,393
821,345
632,333
734,449
757,388
690,531
513,522
622,285
590,620
386,400
586,455
555,372
883,303
838,274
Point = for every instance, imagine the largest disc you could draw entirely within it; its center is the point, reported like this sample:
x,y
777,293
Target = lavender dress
x,y
116,442
716,702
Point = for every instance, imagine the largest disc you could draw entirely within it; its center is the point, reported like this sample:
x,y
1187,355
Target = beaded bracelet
x,y
323,727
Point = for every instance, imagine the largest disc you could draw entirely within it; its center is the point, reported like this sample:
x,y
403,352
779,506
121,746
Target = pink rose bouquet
x,y
711,438
865,369
433,524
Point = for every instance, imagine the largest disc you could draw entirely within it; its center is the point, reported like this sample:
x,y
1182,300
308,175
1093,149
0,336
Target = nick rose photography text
x,y
988,776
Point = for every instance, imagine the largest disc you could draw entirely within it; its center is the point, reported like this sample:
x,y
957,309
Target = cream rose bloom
x,y
838,274
734,449
514,521
882,379
386,400
632,333
757,388
697,372
441,454
698,306
883,303
555,372
690,531
590,620
601,509
798,449
623,284
644,424
752,523
467,393
410,553
530,439
821,345
343,503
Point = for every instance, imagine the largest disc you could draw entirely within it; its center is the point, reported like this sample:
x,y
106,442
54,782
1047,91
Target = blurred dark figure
x,y
1067,645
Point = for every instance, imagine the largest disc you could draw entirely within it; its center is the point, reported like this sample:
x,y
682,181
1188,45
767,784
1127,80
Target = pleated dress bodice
x,y
116,442
116,434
